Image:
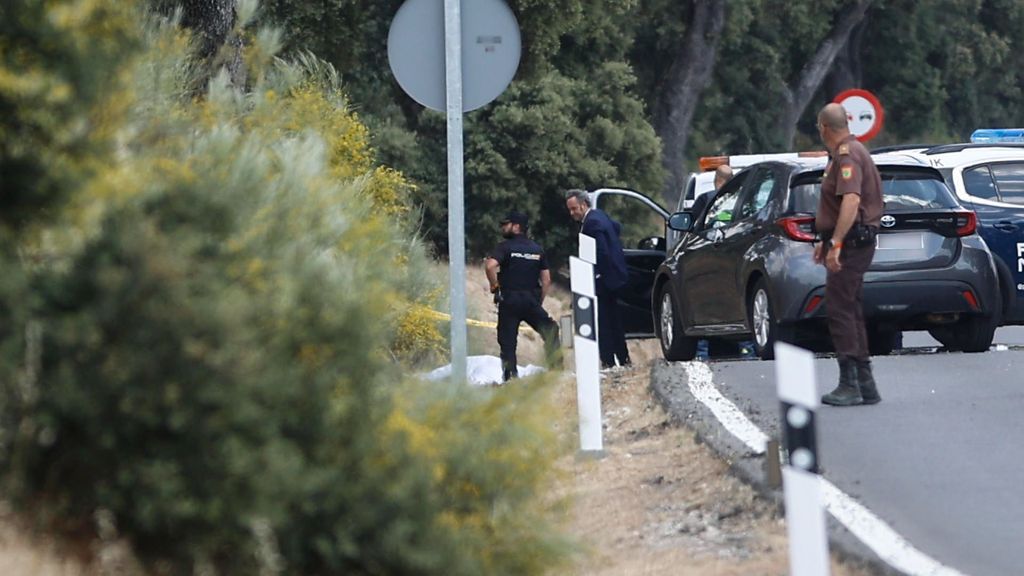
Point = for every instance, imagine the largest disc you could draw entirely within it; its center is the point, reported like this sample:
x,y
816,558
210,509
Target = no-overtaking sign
x,y
863,112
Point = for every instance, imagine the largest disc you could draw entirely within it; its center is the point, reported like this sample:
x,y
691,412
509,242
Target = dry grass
x,y
24,552
659,502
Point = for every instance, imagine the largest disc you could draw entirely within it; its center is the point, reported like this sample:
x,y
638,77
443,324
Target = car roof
x,y
953,155
705,178
885,159
900,158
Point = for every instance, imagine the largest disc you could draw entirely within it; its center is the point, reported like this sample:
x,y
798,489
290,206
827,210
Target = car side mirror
x,y
652,243
681,221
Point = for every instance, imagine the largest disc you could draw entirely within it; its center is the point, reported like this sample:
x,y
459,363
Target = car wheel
x,y
763,323
975,334
674,345
881,342
946,335
972,334
1007,291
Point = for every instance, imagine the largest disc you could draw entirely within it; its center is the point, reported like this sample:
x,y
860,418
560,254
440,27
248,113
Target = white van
x,y
704,181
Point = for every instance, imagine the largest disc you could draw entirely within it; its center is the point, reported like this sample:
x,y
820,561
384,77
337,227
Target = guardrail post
x,y
805,512
588,386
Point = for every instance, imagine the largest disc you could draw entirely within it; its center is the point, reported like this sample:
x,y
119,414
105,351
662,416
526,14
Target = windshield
x,y
901,191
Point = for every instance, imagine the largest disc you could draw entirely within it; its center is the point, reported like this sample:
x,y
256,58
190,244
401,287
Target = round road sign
x,y
490,51
863,111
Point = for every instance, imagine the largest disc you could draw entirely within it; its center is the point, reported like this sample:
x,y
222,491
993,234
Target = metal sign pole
x,y
456,215
805,510
415,43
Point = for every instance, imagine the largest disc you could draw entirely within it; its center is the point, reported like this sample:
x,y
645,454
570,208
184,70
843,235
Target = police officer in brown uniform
x,y
849,212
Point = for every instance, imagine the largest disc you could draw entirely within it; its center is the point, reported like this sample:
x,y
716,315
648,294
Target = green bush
x,y
201,347
56,75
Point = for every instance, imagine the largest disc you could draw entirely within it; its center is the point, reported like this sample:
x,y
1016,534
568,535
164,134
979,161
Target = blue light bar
x,y
997,135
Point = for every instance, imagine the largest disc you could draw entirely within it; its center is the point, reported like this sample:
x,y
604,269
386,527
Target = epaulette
x,y
843,149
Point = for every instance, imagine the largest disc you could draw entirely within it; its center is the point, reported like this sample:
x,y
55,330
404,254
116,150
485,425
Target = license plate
x,y
909,241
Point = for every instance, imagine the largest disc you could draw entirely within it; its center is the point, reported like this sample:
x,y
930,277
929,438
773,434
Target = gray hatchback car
x,y
744,269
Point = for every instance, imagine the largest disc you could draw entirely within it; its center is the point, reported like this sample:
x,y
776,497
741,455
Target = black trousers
x,y
517,307
844,293
611,338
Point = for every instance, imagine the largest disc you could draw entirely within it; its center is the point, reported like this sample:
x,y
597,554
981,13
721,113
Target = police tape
x,y
448,317
469,321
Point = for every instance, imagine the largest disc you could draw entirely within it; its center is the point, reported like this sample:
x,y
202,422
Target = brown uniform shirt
x,y
850,171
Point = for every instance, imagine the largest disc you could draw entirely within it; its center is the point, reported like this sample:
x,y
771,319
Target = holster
x,y
859,236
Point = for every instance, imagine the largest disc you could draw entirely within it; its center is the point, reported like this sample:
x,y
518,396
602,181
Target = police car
x,y
987,176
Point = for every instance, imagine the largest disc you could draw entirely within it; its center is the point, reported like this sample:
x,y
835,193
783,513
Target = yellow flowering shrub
x,y
204,331
418,335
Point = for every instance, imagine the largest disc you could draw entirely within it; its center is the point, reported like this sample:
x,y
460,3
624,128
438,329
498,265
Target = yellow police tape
x,y
469,321
442,316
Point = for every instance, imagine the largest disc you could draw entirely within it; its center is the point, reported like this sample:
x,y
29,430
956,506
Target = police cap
x,y
515,217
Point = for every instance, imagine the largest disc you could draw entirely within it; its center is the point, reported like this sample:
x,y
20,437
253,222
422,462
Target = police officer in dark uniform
x,y
518,273
849,212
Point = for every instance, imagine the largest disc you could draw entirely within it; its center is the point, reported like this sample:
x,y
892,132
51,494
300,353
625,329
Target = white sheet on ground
x,y
482,370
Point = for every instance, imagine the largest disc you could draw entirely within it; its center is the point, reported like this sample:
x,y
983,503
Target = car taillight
x,y
799,228
966,223
812,305
971,300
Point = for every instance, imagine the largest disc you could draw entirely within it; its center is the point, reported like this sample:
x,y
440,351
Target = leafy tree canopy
x,y
917,56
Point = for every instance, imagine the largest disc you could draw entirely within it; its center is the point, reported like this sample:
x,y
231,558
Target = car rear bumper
x,y
909,302
901,297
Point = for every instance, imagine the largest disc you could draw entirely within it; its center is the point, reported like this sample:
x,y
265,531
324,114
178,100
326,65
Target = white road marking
x,y
874,532
879,536
727,413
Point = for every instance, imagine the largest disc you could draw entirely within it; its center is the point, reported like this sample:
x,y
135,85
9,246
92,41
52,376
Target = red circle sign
x,y
863,112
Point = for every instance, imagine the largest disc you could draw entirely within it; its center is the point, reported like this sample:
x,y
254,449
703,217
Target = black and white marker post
x,y
584,313
805,512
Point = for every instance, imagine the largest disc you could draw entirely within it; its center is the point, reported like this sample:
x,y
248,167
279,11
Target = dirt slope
x,y
661,503
658,502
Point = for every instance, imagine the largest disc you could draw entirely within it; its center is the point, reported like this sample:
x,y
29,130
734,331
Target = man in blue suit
x,y
610,276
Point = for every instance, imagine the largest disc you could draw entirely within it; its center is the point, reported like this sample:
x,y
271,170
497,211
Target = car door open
x,y
644,241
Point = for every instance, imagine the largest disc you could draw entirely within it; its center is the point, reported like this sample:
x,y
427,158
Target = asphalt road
x,y
1007,336
941,459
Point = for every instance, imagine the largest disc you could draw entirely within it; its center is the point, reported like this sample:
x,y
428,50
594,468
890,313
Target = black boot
x,y
866,381
509,370
847,393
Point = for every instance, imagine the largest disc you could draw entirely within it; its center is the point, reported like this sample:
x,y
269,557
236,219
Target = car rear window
x,y
901,190
1010,178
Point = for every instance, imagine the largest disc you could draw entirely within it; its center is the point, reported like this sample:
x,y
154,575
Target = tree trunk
x,y
813,74
687,77
212,22
847,70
